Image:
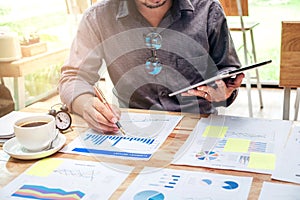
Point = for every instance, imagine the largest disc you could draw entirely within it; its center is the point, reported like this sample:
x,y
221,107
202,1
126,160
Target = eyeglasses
x,y
153,42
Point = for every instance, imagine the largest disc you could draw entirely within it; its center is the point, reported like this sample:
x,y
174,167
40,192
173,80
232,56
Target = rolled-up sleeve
x,y
80,71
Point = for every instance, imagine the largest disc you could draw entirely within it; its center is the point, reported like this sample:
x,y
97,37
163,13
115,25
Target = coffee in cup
x,y
33,124
35,133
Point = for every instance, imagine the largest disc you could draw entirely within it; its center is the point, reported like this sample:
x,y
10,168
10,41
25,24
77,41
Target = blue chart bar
x,y
149,195
169,180
99,139
112,153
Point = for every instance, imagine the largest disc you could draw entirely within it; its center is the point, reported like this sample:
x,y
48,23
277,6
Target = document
x,y
55,178
146,133
288,163
160,184
278,191
236,143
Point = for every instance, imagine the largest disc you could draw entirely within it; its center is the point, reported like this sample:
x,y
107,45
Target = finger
x,y
203,88
219,87
99,124
106,114
96,113
206,95
186,94
239,79
199,93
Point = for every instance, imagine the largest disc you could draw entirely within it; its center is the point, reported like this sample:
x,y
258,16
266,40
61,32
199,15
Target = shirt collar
x,y
124,7
185,5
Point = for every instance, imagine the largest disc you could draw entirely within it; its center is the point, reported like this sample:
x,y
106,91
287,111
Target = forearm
x,y
73,83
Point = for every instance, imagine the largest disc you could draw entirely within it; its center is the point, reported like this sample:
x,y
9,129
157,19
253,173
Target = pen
x,y
101,97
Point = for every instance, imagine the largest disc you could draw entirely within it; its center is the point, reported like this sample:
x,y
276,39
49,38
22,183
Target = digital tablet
x,y
221,76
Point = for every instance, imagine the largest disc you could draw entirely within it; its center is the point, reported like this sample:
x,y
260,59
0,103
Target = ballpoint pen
x,y
101,97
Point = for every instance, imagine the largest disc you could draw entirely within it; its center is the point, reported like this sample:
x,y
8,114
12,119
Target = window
x,y
267,35
47,20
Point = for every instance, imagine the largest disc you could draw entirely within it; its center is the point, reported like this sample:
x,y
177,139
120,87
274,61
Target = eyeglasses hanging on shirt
x,y
153,41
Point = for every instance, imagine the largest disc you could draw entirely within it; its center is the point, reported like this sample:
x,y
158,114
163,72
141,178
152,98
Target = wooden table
x,y
12,168
27,65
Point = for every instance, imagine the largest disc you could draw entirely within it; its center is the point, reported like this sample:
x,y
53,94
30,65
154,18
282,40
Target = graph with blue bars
x,y
99,139
166,181
116,145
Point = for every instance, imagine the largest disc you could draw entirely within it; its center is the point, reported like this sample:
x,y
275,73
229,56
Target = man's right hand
x,y
96,114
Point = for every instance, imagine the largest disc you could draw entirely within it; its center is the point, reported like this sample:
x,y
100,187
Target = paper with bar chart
x,y
163,184
55,178
146,133
236,143
288,163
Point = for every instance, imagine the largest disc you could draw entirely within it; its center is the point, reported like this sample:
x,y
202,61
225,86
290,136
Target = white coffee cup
x,y
35,133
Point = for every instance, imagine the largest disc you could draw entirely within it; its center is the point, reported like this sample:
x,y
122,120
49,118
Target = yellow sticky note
x,y
237,145
215,131
262,161
44,167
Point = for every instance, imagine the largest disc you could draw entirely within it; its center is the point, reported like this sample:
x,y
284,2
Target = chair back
x,y
290,54
232,7
7,103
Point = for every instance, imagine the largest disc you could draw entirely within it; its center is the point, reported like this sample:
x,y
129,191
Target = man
x,y
151,48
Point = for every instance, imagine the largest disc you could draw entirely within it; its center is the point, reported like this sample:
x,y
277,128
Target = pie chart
x,y
149,195
230,185
207,155
207,181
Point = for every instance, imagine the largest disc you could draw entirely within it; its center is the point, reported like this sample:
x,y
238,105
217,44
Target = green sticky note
x,y
44,167
237,145
215,131
262,161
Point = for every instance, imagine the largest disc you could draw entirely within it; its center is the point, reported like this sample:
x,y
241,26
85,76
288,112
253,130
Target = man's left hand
x,y
220,92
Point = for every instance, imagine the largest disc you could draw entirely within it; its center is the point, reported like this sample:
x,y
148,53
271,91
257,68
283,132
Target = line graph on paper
x,y
248,134
83,174
145,125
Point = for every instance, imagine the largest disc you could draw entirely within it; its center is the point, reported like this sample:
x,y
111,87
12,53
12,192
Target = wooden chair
x,y
236,11
6,100
290,64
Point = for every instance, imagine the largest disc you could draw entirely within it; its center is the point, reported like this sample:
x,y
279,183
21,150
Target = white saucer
x,y
15,150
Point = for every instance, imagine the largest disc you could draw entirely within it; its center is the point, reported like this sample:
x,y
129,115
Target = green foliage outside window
x,y
42,81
